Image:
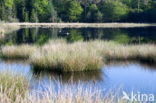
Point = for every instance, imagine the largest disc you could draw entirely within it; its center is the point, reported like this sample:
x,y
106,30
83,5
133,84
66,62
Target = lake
x,y
42,35
128,75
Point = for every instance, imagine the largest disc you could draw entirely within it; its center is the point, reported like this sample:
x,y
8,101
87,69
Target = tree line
x,y
78,10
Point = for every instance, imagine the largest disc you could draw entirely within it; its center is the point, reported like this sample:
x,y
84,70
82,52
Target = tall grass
x,y
17,51
146,52
91,55
14,89
12,86
7,28
73,94
79,56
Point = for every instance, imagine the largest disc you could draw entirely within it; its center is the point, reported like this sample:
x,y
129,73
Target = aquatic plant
x,y
14,89
17,51
7,28
79,56
12,85
59,55
145,52
72,94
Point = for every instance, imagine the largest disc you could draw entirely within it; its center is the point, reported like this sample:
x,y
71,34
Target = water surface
x,y
127,76
42,35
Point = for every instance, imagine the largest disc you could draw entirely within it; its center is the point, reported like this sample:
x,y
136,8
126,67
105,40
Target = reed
x,y
66,57
81,56
145,52
73,94
12,85
66,94
7,28
58,55
17,51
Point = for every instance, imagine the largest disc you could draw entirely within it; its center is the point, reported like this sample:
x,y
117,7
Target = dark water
x,y
42,35
128,76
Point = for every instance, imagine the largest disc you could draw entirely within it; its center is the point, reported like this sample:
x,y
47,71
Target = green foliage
x,y
42,39
25,15
94,15
34,16
7,10
114,10
78,10
9,3
75,35
42,7
74,10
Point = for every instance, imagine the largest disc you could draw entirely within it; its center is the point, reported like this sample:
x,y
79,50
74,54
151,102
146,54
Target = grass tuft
x,y
13,88
17,51
7,28
58,55
12,85
66,57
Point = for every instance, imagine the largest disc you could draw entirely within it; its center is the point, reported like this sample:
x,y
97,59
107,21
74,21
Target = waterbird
x,y
67,33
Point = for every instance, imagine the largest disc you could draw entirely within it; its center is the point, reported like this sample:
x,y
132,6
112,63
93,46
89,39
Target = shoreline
x,y
82,25
7,28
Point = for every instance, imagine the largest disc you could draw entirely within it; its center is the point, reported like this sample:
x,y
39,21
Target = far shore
x,y
83,25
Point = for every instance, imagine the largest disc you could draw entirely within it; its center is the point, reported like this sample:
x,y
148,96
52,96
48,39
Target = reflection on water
x,y
128,75
70,77
132,77
42,35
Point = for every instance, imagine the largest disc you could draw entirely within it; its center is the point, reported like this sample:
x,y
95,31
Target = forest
x,y
78,11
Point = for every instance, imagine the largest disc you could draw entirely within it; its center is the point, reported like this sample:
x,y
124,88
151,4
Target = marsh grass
x,y
67,57
81,56
17,51
7,28
144,52
72,94
58,55
14,88
12,85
